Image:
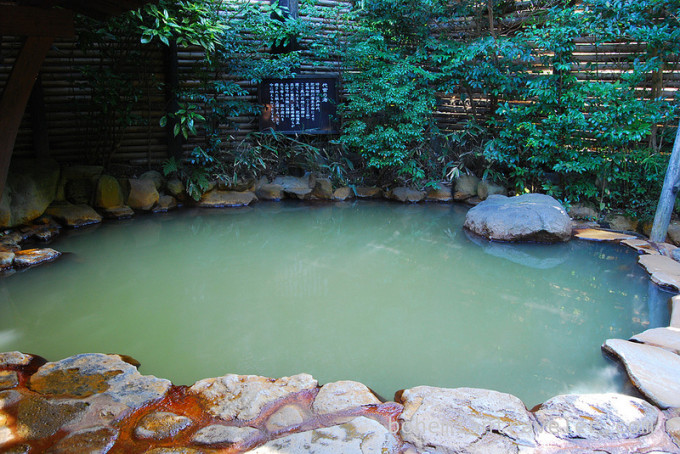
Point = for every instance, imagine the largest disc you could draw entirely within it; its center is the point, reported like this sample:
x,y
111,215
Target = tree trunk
x,y
664,209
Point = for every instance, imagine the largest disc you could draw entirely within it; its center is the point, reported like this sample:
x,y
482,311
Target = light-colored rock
x,y
161,425
323,189
175,188
363,192
244,396
218,434
342,194
602,235
175,450
270,192
8,379
666,338
674,232
597,416
675,312
343,395
142,195
74,216
440,420
663,270
30,188
124,212
641,246
580,211
33,257
653,370
165,203
441,194
529,217
15,359
359,436
154,176
6,260
91,440
109,194
92,374
406,195
294,187
465,187
487,188
224,199
621,223
673,429
286,416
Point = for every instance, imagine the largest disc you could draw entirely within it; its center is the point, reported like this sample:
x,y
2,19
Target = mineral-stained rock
x,y
440,420
465,187
361,436
14,359
124,212
441,194
6,260
372,192
161,424
529,217
74,215
33,257
597,416
244,396
270,192
143,194
653,370
17,449
406,195
174,450
323,189
223,199
666,338
38,417
487,188
109,194
84,375
286,416
342,194
8,379
342,395
91,440
218,434
663,270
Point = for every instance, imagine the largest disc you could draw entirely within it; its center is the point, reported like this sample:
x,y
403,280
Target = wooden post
x,y
664,209
16,94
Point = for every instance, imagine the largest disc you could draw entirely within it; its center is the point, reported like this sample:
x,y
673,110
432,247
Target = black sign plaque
x,y
300,105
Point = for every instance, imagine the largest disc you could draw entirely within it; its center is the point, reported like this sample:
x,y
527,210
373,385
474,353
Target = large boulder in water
x,y
529,217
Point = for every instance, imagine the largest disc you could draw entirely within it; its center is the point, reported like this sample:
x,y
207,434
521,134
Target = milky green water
x,y
391,295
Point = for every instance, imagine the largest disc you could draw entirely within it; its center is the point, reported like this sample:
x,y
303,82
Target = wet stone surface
x,y
8,379
220,435
161,425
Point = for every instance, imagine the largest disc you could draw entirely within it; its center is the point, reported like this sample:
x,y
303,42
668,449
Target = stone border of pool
x,y
101,403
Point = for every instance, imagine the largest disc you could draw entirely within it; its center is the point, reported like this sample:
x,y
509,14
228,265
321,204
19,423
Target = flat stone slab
x,y
226,199
33,257
459,420
244,396
123,212
361,436
666,338
528,217
74,216
641,246
343,395
653,370
602,235
597,417
663,270
217,434
161,425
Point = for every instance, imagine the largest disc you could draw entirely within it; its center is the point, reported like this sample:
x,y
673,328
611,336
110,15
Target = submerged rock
x,y
74,216
597,417
464,419
225,199
654,371
529,217
33,257
244,396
